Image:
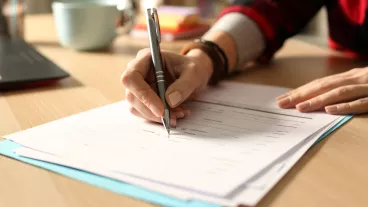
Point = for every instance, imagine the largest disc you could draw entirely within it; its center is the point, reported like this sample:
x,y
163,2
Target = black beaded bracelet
x,y
217,64
218,50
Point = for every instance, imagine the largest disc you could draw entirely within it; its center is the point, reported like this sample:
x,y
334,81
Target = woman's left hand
x,y
344,93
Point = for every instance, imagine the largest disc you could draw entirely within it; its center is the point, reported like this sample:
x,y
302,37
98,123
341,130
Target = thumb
x,y
182,88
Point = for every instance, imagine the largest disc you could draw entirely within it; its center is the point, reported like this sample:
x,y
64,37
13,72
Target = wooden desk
x,y
333,173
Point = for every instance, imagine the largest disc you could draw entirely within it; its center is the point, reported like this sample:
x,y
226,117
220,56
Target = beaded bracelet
x,y
217,56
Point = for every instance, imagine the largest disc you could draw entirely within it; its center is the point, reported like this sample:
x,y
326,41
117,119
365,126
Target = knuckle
x,y
354,70
144,97
318,101
289,94
317,81
132,110
186,83
131,65
363,101
195,73
192,68
143,52
346,107
126,78
355,78
359,75
295,97
193,65
343,91
363,78
130,98
322,85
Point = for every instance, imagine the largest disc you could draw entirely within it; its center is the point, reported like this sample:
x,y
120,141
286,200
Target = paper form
x,y
251,96
211,152
248,195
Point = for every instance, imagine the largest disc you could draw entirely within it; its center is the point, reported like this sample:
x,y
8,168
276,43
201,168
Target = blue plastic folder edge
x,y
7,149
339,124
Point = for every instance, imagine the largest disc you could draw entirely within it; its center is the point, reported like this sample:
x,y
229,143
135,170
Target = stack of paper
x,y
232,150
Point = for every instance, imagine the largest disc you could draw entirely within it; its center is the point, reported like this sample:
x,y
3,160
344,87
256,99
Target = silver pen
x,y
153,26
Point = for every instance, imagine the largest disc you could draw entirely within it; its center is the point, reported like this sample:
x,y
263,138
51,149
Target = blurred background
x,y
316,30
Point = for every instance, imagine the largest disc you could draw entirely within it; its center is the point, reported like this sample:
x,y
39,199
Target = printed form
x,y
230,137
250,193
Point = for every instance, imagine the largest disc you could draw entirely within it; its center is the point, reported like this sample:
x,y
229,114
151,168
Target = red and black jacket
x,y
281,19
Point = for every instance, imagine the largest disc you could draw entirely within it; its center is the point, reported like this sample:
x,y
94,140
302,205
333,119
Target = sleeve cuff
x,y
262,24
249,40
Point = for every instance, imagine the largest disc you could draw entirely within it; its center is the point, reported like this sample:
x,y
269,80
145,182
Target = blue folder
x,y
7,148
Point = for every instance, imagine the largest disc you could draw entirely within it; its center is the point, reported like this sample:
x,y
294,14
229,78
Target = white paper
x,y
251,96
213,152
249,194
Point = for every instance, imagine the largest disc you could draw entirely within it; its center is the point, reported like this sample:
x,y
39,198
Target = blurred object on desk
x,y
92,25
22,66
176,22
145,4
128,12
207,8
174,17
12,18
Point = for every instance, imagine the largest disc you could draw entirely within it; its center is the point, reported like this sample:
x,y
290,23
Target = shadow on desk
x,y
132,48
45,43
294,71
63,84
124,49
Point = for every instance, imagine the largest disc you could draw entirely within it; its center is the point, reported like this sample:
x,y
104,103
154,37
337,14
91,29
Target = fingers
x,y
344,93
141,95
355,107
138,114
313,89
137,108
134,80
183,87
180,112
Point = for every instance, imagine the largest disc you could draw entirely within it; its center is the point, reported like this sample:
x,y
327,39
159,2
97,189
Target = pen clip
x,y
155,18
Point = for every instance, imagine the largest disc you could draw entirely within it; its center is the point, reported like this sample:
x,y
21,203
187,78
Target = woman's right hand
x,y
185,76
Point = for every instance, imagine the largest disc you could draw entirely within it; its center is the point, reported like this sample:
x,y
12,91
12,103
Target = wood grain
x,y
332,173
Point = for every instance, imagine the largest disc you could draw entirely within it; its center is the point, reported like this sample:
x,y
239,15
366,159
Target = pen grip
x,y
157,61
161,87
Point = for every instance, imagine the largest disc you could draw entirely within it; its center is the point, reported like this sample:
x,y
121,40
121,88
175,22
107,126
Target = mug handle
x,y
127,17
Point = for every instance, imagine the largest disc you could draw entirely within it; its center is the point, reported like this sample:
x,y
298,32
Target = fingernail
x,y
281,97
303,106
173,122
331,109
174,98
284,102
156,110
180,114
187,112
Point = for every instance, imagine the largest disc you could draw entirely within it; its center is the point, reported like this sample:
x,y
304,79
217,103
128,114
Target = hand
x,y
344,93
185,76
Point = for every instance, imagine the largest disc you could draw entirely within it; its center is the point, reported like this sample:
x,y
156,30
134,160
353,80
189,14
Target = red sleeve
x,y
277,19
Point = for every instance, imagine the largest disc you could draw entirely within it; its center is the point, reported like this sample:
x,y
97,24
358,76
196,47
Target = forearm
x,y
239,38
226,43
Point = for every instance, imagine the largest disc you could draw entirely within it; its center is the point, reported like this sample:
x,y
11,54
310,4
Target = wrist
x,y
209,59
204,61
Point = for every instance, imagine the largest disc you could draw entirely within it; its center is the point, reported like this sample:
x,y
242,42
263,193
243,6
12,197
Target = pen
x,y
154,35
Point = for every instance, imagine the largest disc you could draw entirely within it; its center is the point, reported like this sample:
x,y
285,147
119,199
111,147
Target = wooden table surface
x,y
333,173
